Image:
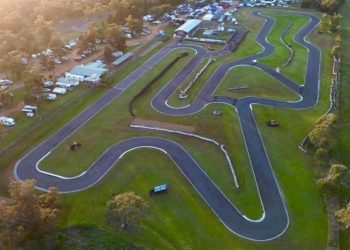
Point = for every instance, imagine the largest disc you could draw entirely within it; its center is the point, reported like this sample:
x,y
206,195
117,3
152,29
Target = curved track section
x,y
274,221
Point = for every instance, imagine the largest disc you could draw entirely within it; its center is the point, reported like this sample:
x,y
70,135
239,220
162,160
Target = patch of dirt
x,y
11,111
164,125
143,39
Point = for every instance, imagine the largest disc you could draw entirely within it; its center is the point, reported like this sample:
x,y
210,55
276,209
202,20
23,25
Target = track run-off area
x,y
274,220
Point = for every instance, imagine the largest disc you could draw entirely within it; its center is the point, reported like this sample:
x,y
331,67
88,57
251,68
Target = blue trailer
x,y
163,188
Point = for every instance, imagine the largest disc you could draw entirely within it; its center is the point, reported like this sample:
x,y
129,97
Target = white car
x,y
59,91
50,96
7,121
48,84
129,36
5,82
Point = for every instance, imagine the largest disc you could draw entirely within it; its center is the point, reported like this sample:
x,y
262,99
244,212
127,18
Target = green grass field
x,y
143,169
53,116
180,219
254,82
296,69
174,100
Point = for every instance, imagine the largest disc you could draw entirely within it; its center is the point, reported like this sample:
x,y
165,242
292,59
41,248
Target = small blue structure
x,y
159,189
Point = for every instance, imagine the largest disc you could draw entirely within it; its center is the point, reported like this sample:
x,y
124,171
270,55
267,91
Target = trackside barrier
x,y
197,76
332,96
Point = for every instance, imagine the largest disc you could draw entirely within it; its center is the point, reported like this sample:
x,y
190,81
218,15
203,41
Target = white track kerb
x,y
274,219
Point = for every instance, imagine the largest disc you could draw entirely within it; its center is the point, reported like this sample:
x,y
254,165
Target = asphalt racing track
x,y
274,220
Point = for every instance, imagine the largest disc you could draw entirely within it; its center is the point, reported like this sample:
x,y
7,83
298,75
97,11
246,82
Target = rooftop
x,y
189,25
89,69
123,58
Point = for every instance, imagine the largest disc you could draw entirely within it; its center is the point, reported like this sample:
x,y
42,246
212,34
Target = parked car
x,y
46,90
7,121
50,96
59,91
5,82
48,84
30,110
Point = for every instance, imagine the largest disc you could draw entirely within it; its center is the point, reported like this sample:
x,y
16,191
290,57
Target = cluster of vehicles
x,y
128,34
201,9
50,92
49,54
61,87
264,3
84,54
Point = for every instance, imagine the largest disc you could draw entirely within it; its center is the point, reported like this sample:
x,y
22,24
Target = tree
x,y
325,24
343,216
33,80
15,65
335,22
108,53
121,10
4,67
337,40
321,156
26,42
329,6
99,9
52,66
335,51
159,10
134,24
125,210
335,179
114,37
56,44
44,30
27,216
322,136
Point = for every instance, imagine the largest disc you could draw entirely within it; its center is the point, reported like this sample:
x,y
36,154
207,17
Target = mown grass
x,y
68,166
290,164
181,219
254,82
174,100
97,136
28,132
296,69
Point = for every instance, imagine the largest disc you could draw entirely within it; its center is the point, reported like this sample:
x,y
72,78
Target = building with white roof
x,y
81,72
187,27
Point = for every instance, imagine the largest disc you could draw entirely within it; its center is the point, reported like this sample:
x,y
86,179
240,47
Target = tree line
x,y
334,177
29,219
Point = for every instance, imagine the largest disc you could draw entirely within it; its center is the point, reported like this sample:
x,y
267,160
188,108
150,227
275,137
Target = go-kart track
x,y
274,220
